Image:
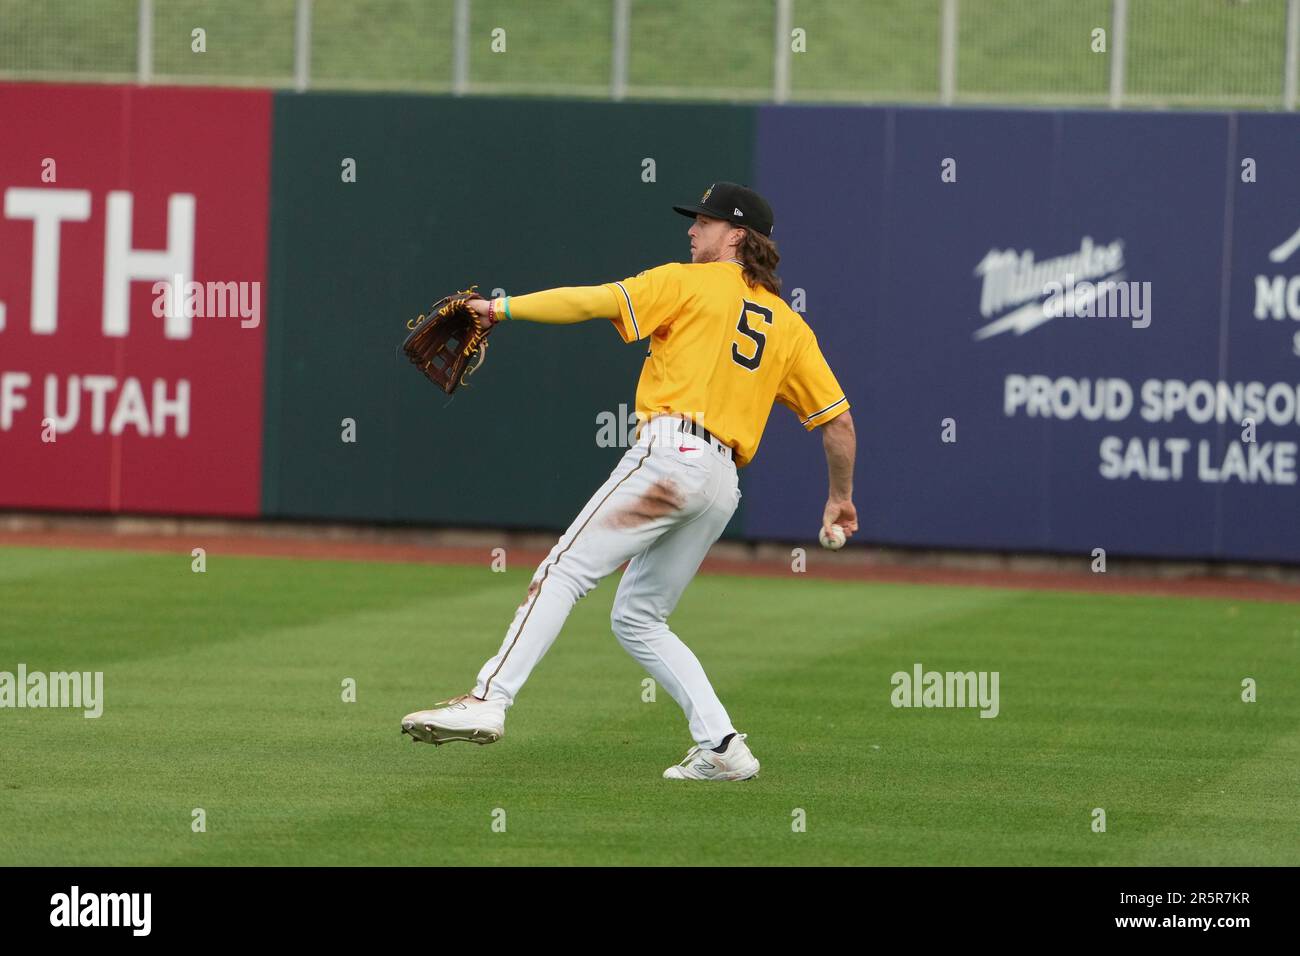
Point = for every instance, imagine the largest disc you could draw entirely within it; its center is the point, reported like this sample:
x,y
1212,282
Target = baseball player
x,y
723,347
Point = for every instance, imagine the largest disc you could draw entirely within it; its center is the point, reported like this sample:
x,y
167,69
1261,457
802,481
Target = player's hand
x,y
841,513
483,313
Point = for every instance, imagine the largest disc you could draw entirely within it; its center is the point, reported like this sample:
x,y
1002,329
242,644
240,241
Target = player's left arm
x,y
562,306
637,306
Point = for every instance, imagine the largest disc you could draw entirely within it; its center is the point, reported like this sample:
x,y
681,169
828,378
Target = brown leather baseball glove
x,y
449,343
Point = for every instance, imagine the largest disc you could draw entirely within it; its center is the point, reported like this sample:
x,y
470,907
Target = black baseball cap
x,y
735,203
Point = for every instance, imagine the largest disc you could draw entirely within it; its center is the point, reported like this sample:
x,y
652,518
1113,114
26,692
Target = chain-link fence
x,y
1159,53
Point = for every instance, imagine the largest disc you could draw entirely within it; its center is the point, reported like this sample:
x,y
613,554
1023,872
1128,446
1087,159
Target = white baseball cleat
x,y
461,718
734,763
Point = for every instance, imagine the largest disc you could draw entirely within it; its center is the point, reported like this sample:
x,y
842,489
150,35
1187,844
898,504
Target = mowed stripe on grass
x,y
223,692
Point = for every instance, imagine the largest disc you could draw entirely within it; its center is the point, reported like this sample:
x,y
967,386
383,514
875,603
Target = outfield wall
x,y
922,278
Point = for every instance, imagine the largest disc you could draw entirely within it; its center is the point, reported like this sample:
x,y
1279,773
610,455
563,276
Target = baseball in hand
x,y
833,541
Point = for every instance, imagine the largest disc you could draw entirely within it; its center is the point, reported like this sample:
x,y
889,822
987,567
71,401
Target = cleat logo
x,y
704,767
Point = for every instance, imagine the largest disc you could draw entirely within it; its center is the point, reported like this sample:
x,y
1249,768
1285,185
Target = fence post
x,y
1118,43
781,51
302,46
618,55
144,44
460,48
948,53
1290,81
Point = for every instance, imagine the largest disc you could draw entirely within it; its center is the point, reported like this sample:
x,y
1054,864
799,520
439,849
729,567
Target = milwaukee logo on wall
x,y
134,254
1277,295
1020,292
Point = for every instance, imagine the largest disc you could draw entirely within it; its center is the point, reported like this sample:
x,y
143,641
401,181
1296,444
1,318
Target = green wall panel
x,y
517,194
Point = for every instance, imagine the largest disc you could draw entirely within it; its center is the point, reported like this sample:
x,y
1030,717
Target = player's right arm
x,y
841,445
810,390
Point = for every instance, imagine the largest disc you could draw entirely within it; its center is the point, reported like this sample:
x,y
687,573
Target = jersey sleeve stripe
x,y
824,410
630,311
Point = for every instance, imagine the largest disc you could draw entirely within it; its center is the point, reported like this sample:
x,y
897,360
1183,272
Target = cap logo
x,y
736,212
705,197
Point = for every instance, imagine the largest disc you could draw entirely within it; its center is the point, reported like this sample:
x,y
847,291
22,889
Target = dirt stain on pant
x,y
660,499
532,589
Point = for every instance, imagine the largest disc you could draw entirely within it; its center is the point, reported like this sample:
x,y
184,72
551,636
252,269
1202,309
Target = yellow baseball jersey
x,y
722,352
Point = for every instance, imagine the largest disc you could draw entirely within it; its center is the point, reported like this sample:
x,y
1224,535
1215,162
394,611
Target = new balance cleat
x,y
734,763
461,718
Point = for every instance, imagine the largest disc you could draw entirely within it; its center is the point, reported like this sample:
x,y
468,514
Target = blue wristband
x,y
508,315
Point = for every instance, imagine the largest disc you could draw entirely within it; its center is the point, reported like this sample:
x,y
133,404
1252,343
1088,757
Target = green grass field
x,y
222,691
1211,53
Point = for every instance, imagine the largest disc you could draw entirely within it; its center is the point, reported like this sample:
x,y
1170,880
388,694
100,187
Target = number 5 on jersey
x,y
758,338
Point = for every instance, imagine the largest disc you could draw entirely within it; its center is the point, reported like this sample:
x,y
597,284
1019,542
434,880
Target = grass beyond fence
x,y
1210,53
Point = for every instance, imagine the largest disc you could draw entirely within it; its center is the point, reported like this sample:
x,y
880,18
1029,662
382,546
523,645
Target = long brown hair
x,y
758,254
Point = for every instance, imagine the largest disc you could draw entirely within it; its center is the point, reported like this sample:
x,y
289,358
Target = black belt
x,y
699,431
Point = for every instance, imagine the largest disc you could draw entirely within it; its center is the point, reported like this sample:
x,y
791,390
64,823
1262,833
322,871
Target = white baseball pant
x,y
663,506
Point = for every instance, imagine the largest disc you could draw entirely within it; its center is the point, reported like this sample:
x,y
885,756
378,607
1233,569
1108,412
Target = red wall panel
x,y
184,173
